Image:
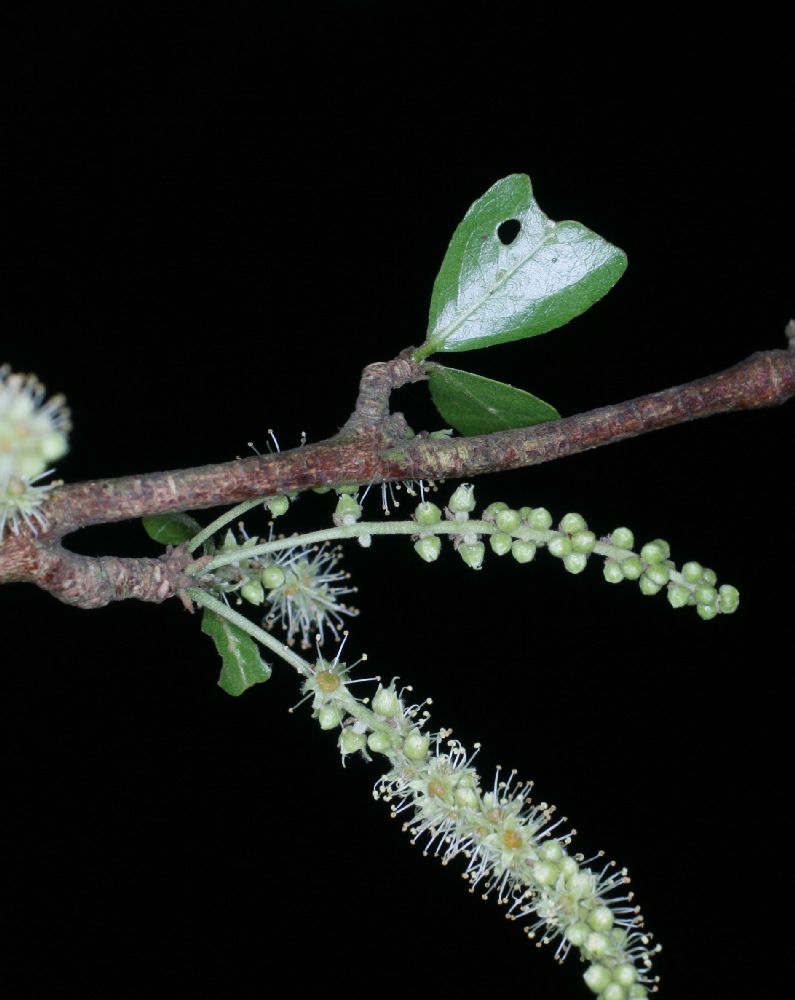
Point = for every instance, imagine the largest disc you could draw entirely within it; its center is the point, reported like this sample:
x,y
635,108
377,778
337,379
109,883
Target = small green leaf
x,y
171,529
477,405
489,293
243,666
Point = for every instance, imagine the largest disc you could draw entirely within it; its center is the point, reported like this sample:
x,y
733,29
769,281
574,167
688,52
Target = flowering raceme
x,y
33,433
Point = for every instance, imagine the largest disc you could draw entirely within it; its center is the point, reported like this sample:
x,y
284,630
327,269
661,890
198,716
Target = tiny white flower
x,y
33,433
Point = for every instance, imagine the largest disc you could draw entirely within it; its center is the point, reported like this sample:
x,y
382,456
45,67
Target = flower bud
x,y
728,599
572,523
472,553
328,717
656,551
612,571
428,548
463,499
583,541
523,552
272,576
415,746
500,543
427,513
385,702
508,520
575,562
253,592
351,741
540,519
347,511
278,505
559,546
379,742
622,538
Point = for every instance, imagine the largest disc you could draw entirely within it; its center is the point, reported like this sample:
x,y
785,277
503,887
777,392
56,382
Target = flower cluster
x,y
512,847
33,433
522,532
300,585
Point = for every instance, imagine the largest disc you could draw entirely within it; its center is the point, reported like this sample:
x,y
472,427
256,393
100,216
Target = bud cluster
x,y
32,435
523,531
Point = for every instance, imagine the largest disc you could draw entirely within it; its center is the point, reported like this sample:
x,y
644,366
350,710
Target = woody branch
x,y
373,446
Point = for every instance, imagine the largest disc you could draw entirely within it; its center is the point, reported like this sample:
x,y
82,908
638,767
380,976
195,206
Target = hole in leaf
x,y
508,231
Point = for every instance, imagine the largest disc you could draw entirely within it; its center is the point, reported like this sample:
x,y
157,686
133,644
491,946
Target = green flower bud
x,y
601,918
500,543
385,702
272,576
351,741
710,577
622,538
569,866
559,546
53,446
580,885
525,512
328,717
575,562
347,488
656,551
523,552
278,506
551,850
540,519
577,933
692,572
707,611
347,511
427,513
365,540
648,586
596,977
613,991
572,523
625,974
545,872
472,553
678,595
508,520
658,573
415,746
583,541
728,599
463,499
466,797
428,548
493,509
704,594
638,992
253,592
596,944
632,568
612,571
379,742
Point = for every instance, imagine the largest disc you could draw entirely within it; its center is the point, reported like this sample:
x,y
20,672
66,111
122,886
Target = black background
x,y
215,220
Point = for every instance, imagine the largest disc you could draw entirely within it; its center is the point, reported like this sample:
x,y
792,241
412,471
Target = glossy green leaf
x,y
242,664
476,405
171,529
489,293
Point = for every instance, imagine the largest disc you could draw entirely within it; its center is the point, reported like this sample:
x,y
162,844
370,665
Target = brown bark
x,y
371,447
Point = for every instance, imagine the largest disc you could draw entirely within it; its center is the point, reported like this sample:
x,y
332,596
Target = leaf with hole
x,y
510,273
171,529
242,664
477,405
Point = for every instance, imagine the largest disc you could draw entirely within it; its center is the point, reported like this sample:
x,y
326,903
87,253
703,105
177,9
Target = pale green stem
x,y
221,522
213,604
540,537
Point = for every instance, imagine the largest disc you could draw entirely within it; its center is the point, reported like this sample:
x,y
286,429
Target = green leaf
x,y
476,405
243,666
171,529
488,293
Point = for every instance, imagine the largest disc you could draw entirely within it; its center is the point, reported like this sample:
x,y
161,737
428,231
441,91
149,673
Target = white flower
x,y
33,433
